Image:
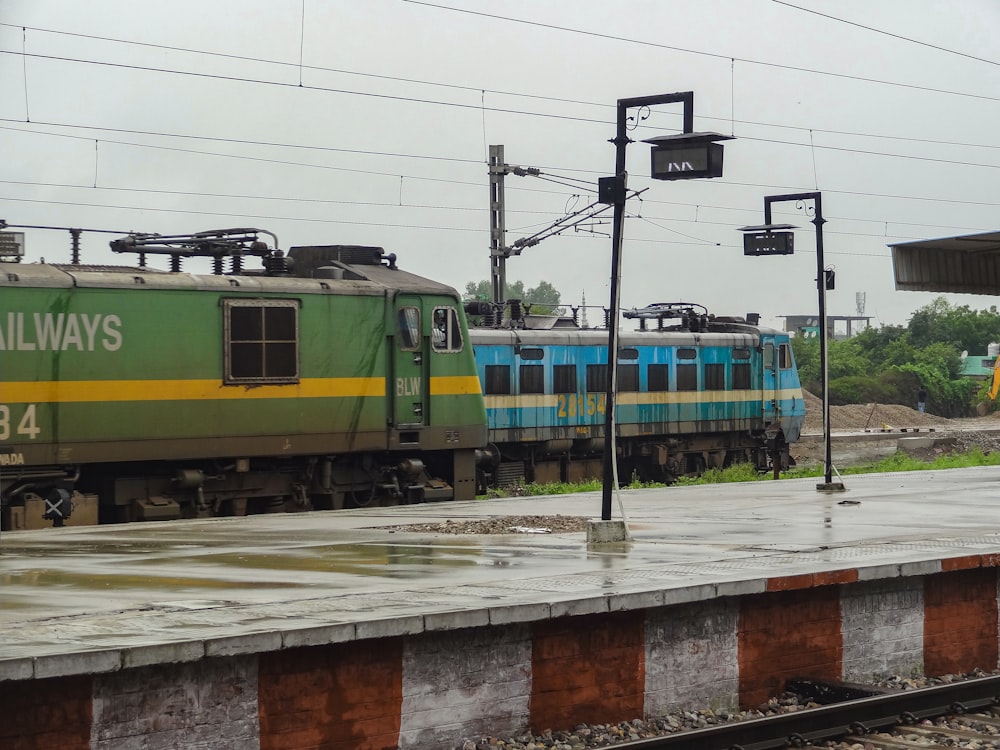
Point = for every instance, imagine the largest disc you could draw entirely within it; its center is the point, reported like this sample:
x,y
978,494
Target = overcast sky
x,y
368,122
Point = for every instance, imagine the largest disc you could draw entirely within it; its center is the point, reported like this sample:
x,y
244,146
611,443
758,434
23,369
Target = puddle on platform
x,y
107,582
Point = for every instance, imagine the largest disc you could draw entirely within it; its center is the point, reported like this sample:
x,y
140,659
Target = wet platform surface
x,y
223,586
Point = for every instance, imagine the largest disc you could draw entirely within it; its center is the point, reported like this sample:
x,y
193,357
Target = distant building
x,y
807,326
978,366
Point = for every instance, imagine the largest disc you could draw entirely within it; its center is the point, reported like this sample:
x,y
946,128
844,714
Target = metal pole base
x,y
831,487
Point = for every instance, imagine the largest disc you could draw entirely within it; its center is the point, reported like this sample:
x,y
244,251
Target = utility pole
x,y
498,252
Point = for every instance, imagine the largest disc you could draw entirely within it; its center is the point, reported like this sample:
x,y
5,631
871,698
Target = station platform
x,y
720,591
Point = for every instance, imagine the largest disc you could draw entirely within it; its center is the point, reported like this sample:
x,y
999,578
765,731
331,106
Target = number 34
x,y
27,425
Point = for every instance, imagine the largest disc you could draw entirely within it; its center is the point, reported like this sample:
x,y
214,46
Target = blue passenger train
x,y
694,391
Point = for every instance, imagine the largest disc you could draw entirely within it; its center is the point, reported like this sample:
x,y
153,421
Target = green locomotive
x,y
331,378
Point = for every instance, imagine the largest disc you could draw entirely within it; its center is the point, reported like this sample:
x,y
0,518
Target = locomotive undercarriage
x,y
150,491
646,459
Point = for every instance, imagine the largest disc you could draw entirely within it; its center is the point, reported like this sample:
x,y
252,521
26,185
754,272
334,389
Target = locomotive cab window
x,y
261,341
784,357
446,333
409,328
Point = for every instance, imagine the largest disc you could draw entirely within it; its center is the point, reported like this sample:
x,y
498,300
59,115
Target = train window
x,y
261,341
741,376
564,379
741,353
409,328
687,354
446,332
597,378
532,353
658,377
784,357
769,356
497,380
687,377
715,377
532,379
628,378
629,353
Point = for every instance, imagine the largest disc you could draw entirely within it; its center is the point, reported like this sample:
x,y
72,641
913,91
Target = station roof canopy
x,y
969,264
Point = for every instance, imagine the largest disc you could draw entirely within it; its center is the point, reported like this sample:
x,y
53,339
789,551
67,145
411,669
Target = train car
x,y
330,378
694,391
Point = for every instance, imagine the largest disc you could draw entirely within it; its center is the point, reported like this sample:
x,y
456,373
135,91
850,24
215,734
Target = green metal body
x,y
127,368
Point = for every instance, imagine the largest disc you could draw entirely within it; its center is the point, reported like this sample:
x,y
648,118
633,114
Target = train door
x,y
769,382
409,386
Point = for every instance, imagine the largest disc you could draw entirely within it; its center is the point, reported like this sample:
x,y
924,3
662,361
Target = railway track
x,y
891,720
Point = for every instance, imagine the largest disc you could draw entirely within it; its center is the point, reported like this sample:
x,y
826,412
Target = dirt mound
x,y
866,416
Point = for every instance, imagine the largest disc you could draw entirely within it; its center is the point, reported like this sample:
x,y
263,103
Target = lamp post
x,y
684,156
768,240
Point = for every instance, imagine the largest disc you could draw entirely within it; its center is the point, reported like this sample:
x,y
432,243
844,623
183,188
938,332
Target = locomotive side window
x,y
532,353
658,377
715,377
564,379
409,328
446,333
532,378
784,356
261,341
741,376
597,378
628,353
497,380
628,378
687,377
687,354
741,353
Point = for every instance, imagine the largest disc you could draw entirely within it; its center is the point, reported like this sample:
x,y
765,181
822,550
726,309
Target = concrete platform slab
x,y
129,595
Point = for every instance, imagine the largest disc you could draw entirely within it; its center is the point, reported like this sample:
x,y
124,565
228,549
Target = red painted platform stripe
x,y
347,696
960,621
53,714
809,580
787,634
587,669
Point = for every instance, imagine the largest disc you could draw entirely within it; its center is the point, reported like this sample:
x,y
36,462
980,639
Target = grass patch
x,y
899,461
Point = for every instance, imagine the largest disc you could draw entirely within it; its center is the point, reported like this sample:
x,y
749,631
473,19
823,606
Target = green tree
x,y
544,298
962,327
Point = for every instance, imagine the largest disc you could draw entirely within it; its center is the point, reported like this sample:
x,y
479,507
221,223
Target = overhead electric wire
x,y
297,86
396,175
887,33
716,55
472,89
471,161
354,221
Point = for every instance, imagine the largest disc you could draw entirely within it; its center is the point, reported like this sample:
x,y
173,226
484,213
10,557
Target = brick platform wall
x,y
882,626
691,656
52,714
587,669
431,690
960,621
787,634
346,696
